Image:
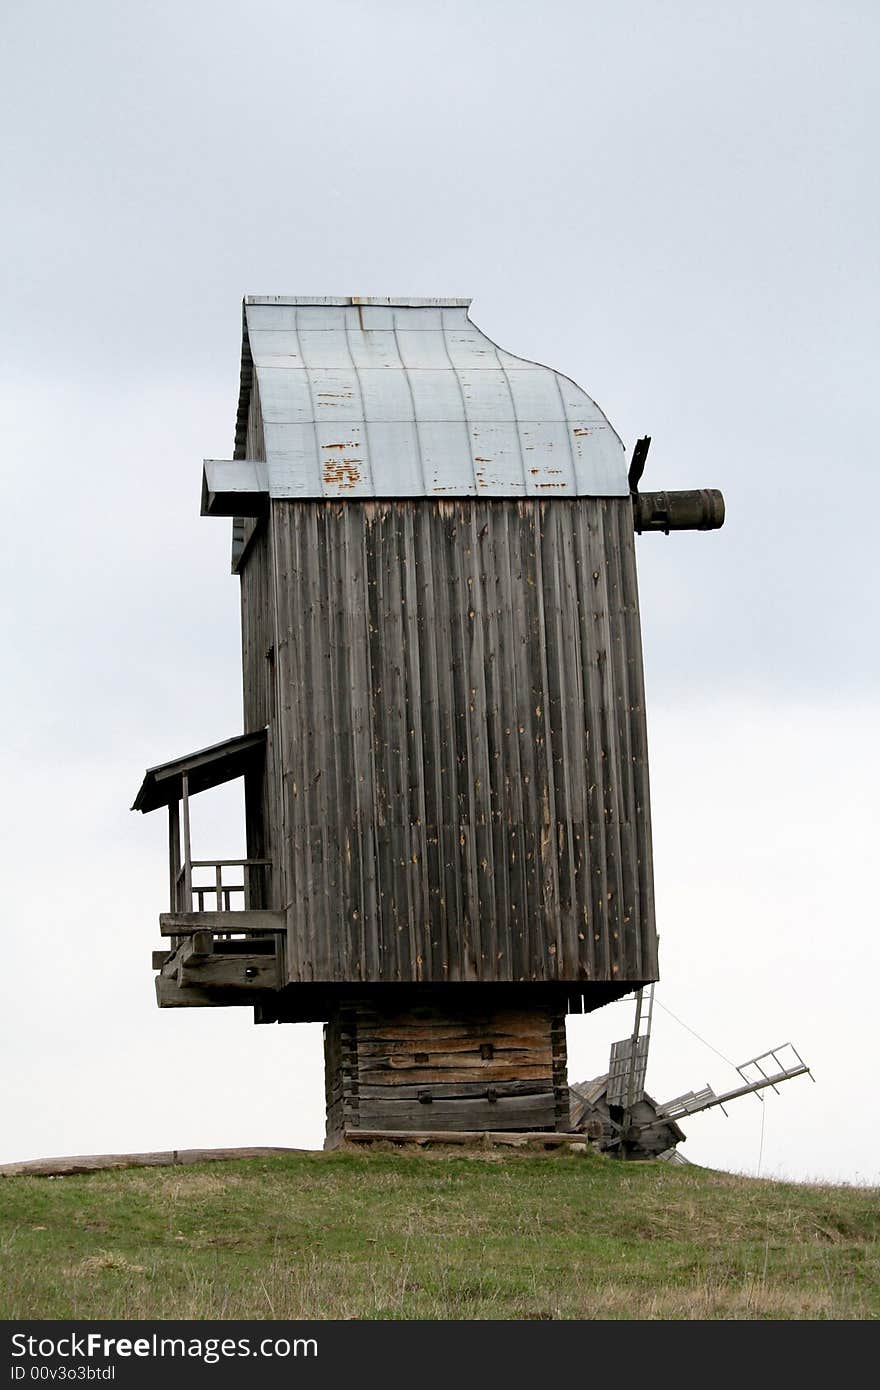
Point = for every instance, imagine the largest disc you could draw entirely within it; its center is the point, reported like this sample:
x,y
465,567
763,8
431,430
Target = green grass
x,y
435,1235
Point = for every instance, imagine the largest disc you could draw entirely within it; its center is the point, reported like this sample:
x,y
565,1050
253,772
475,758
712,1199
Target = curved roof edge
x,y
403,397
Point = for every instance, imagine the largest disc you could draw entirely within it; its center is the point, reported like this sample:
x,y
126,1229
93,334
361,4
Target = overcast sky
x,y
677,205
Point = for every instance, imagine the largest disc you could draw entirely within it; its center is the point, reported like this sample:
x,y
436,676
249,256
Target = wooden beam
x,y
514,1138
248,973
465,1115
196,948
255,923
200,973
171,995
452,1091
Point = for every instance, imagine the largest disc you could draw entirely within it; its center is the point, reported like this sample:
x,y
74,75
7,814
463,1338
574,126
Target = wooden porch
x,y
225,939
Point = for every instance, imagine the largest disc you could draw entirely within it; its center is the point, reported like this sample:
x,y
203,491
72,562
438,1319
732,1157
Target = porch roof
x,y
206,768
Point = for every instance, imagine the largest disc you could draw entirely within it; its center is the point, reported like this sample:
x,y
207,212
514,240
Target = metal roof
x,y
370,397
206,768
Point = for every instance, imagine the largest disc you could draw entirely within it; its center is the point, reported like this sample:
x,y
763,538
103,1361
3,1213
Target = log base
x,y
437,1064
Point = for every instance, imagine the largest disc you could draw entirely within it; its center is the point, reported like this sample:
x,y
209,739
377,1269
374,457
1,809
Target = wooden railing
x,y
190,896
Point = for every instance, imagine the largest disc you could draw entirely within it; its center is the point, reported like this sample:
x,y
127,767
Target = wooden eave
x,y
206,768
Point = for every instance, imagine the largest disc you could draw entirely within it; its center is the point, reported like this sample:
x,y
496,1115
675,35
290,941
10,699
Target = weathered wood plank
x,y
434,1076
539,1138
504,1033
458,1051
185,923
240,972
516,1113
171,995
196,948
461,1090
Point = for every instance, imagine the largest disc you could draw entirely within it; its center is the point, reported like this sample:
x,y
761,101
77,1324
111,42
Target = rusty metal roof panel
x,y
391,398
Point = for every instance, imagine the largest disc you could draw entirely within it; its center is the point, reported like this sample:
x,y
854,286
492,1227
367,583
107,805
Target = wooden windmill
x,y
444,751
622,1119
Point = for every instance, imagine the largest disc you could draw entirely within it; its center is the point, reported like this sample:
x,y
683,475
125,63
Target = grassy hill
x,y
435,1235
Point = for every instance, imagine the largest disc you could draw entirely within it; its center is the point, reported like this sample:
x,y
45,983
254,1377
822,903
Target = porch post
x,y
174,853
187,847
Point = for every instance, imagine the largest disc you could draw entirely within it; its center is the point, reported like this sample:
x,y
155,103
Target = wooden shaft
x,y
700,510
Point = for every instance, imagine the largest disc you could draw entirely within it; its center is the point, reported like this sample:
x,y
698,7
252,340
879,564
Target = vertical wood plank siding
x,y
463,751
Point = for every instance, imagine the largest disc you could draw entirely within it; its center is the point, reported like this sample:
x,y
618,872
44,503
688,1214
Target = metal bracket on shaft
x,y
700,509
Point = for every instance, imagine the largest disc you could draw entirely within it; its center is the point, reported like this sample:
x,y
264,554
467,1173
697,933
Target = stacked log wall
x,y
445,1065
